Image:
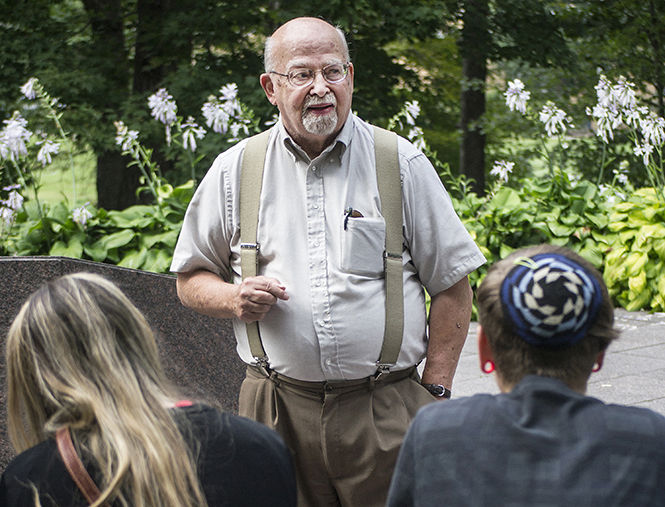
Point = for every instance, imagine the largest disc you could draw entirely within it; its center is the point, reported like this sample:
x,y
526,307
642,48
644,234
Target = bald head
x,y
298,33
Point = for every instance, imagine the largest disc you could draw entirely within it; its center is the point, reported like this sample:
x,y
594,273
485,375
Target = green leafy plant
x,y
141,236
617,228
635,262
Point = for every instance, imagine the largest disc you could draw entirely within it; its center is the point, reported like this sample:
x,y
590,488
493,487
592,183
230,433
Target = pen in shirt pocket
x,y
351,213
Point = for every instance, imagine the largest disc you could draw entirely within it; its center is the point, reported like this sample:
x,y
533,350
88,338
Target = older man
x,y
317,302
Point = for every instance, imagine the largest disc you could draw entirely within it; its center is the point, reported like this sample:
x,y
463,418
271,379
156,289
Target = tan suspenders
x,y
390,194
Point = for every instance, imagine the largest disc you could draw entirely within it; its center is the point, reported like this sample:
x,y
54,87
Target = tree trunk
x,y
474,47
116,183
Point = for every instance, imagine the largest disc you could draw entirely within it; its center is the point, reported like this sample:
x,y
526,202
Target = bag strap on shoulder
x,y
75,466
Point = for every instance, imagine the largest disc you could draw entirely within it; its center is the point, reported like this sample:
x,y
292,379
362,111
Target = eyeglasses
x,y
333,74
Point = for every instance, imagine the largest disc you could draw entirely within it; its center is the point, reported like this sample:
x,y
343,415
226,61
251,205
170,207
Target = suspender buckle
x,y
389,256
263,365
250,246
381,369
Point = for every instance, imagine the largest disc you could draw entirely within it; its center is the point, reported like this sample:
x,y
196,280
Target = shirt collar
x,y
337,147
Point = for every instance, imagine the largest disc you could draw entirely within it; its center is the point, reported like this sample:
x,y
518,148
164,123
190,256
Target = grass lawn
x,y
57,183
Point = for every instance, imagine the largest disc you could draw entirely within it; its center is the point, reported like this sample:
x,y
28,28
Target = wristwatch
x,y
438,390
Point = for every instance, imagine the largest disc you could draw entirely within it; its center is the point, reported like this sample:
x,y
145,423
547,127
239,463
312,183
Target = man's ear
x,y
268,87
351,74
484,350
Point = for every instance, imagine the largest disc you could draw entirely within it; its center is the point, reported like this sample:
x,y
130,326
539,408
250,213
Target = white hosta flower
x,y
555,119
13,137
162,107
502,169
14,200
632,117
190,132
604,122
623,93
620,176
81,215
124,137
652,128
216,116
10,206
228,99
603,91
29,88
412,109
517,96
7,215
272,121
643,150
417,137
228,93
48,148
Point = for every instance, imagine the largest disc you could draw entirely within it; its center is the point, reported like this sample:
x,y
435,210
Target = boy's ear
x,y
484,350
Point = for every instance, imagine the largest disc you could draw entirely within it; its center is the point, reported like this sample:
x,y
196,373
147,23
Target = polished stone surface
x,y
198,352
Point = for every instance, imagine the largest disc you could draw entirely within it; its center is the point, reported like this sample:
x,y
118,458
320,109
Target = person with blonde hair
x,y
83,366
546,320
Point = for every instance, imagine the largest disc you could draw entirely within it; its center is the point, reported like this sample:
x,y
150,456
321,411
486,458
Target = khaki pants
x,y
344,436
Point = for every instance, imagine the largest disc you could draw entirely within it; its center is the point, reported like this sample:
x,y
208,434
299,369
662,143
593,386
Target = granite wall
x,y
198,352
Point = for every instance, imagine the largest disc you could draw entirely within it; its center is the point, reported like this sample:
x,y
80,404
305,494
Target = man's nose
x,y
319,85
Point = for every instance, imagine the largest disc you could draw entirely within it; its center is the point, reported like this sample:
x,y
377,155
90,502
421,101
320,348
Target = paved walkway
x,y
633,372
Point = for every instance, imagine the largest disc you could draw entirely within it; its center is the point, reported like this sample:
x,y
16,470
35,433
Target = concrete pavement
x,y
633,372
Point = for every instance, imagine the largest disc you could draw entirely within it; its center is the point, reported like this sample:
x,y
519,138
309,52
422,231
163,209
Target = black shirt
x,y
240,462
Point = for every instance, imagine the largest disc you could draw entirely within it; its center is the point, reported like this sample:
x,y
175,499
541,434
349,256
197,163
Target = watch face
x,y
437,390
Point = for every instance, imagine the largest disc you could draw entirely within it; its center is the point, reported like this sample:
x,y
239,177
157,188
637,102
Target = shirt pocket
x,y
363,244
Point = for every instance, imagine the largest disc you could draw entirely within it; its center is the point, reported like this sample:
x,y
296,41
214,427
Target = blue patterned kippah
x,y
550,300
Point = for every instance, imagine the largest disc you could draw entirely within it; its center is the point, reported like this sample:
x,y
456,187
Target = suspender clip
x,y
389,256
250,246
263,365
381,369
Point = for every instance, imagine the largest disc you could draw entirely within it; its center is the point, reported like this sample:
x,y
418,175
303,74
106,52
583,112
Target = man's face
x,y
315,113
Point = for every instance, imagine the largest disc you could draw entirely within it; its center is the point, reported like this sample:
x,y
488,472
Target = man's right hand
x,y
255,297
207,293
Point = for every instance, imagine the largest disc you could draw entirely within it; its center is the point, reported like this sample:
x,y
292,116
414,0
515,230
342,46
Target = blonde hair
x,y
81,355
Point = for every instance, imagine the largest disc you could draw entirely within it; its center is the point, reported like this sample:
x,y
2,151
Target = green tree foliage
x,y
625,37
105,57
492,31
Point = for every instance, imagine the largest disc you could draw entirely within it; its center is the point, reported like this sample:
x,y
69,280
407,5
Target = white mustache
x,y
313,100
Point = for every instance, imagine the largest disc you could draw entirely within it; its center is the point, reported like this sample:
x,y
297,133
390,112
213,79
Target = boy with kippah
x,y
546,321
